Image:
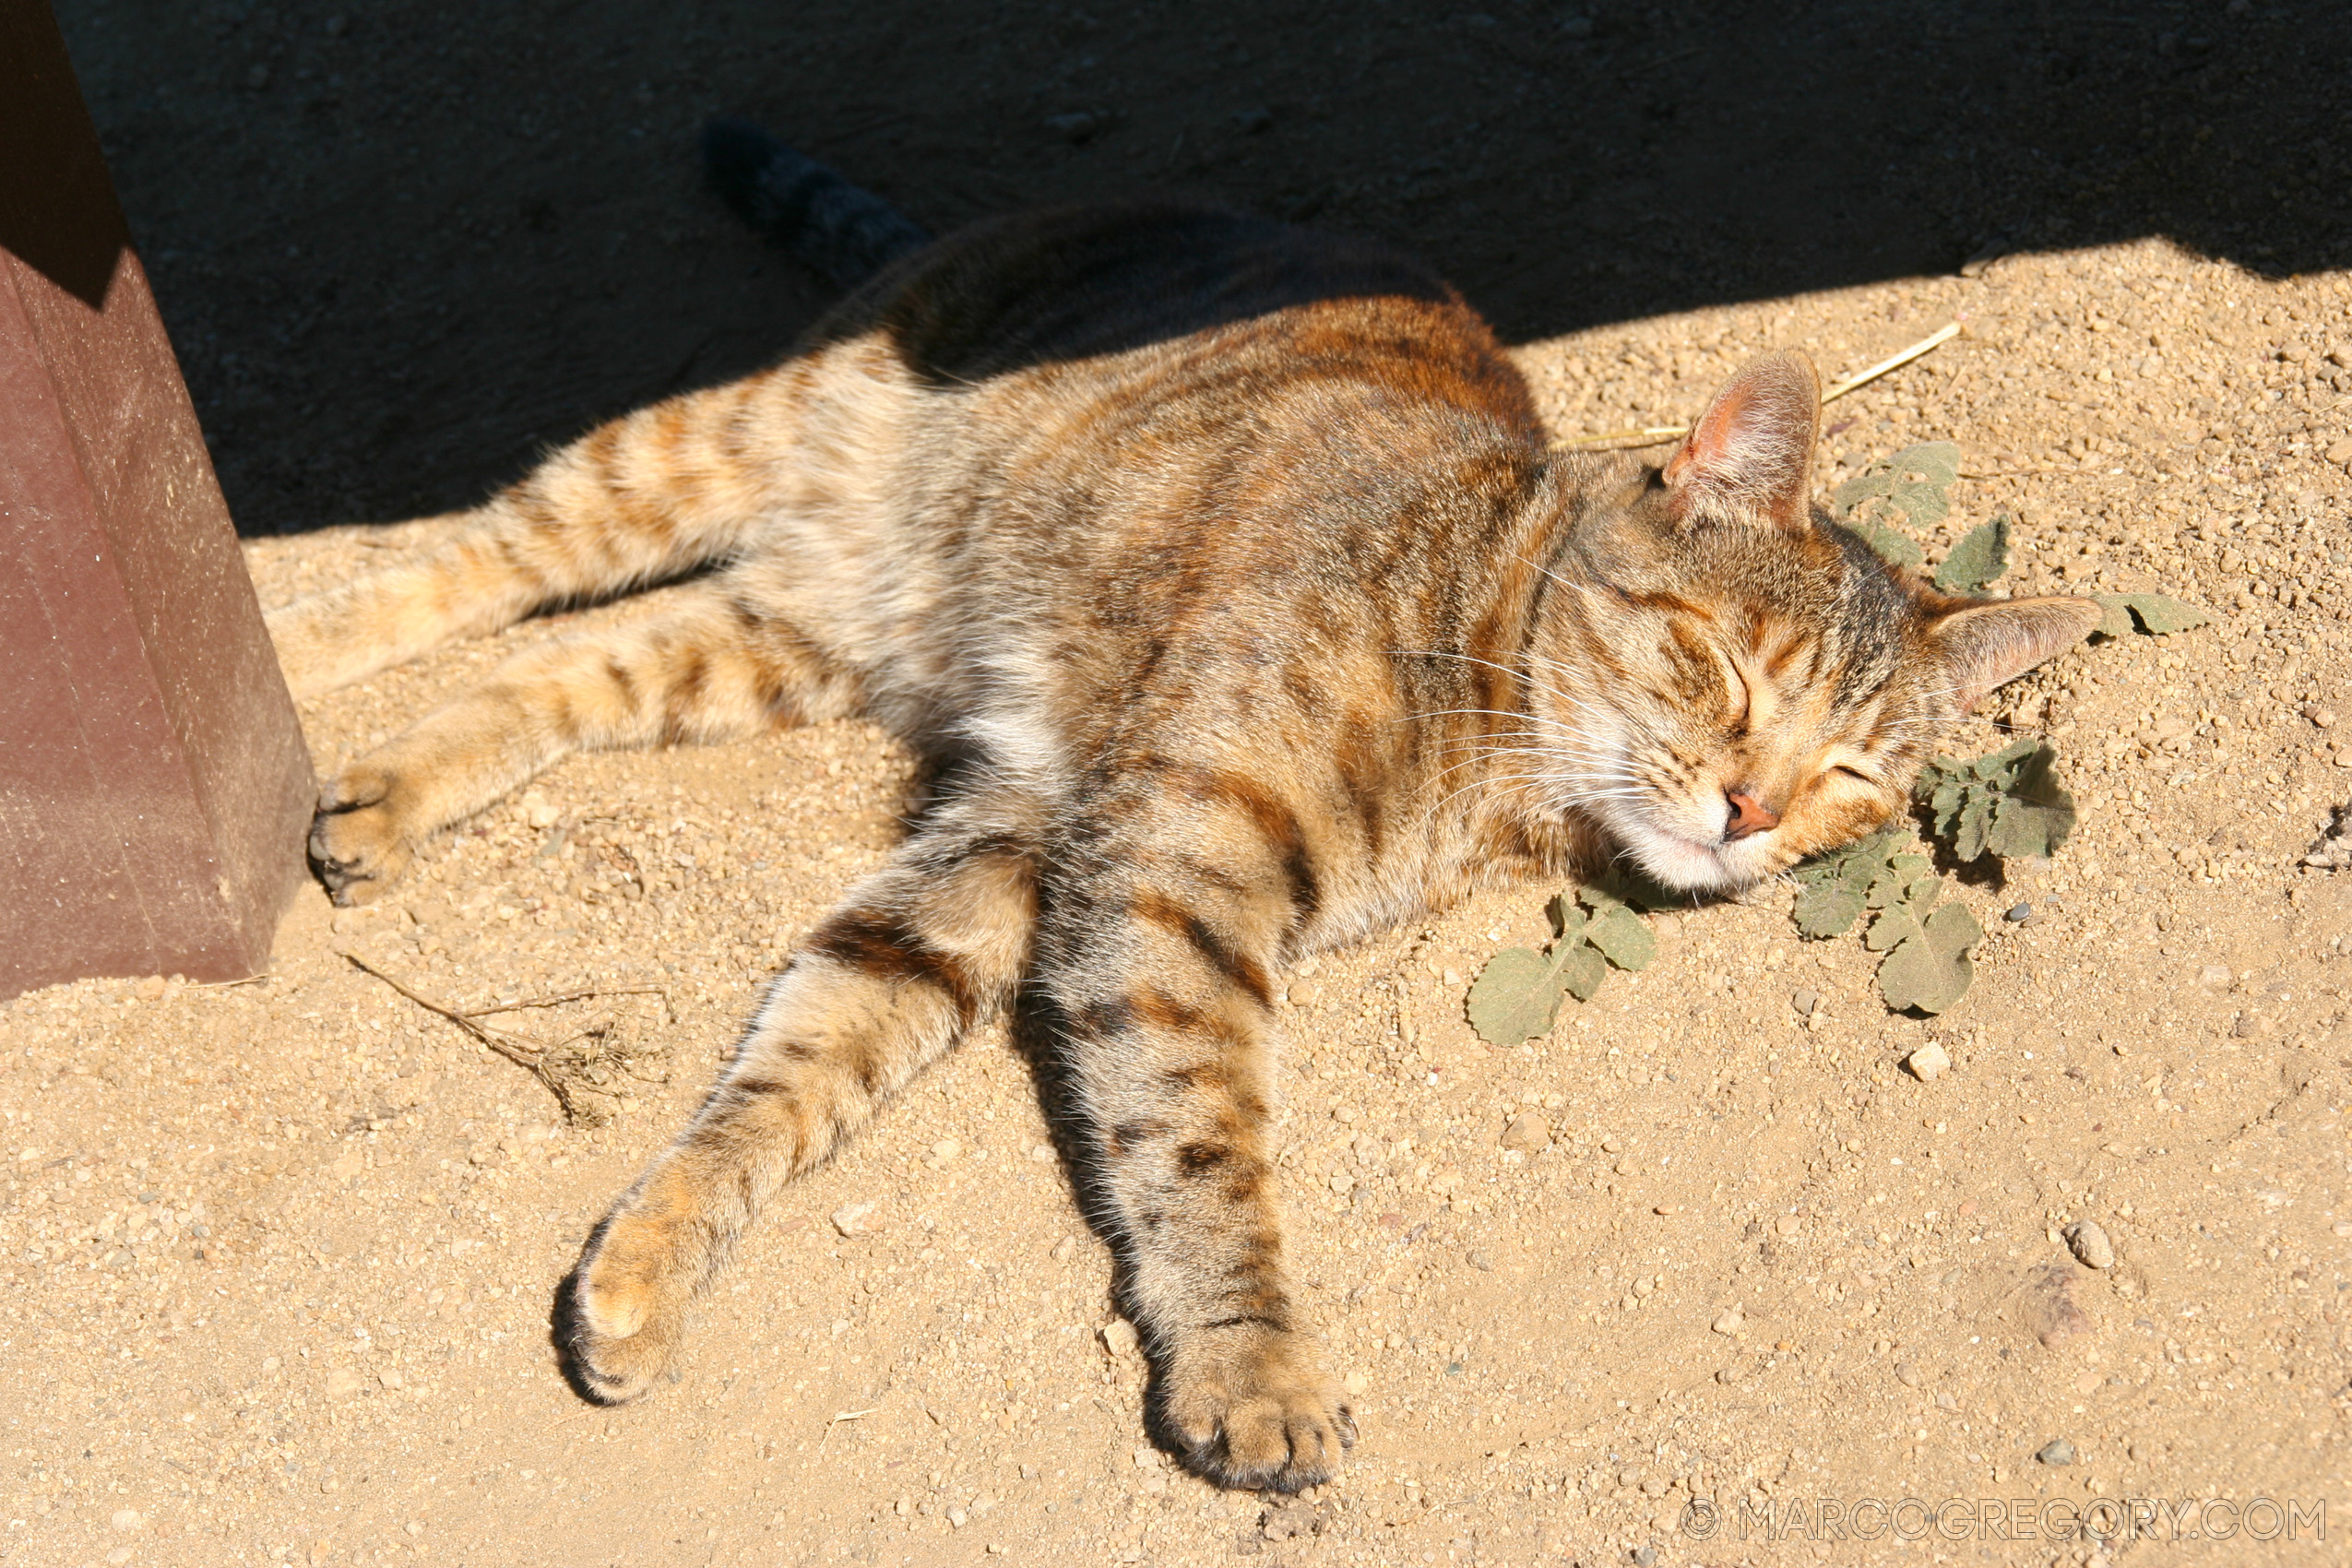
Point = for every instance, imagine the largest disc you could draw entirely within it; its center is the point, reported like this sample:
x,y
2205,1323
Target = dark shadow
x,y
400,250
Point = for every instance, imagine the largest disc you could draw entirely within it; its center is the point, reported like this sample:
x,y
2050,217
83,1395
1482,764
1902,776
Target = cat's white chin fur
x,y
1689,866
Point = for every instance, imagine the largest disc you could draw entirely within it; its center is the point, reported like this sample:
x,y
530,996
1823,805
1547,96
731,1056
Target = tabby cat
x,y
1224,572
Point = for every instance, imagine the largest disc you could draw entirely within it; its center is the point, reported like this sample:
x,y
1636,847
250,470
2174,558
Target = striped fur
x,y
1228,566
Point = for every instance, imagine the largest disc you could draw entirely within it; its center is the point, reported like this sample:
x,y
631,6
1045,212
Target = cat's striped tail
x,y
841,232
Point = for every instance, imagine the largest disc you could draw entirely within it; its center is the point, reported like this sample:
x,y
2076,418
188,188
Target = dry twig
x,y
522,1051
1659,434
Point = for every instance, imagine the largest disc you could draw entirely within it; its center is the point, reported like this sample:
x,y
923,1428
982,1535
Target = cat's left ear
x,y
1984,645
1750,458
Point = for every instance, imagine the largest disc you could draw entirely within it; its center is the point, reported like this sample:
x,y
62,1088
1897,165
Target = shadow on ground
x,y
403,246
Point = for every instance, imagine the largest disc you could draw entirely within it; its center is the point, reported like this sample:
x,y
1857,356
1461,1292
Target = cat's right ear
x,y
1750,458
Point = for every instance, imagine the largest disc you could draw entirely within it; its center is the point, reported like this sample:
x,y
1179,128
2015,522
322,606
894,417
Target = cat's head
x,y
1726,681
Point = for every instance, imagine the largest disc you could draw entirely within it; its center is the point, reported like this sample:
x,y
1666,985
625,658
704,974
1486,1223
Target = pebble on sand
x,y
1928,1062
128,1519
855,1219
2088,1242
1119,1339
1732,1320
2057,1452
1528,1132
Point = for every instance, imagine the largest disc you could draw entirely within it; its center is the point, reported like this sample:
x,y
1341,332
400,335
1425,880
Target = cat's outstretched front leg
x,y
1156,963
920,951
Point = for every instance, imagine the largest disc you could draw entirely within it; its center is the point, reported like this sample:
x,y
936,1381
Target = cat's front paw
x,y
1257,1409
360,841
620,1314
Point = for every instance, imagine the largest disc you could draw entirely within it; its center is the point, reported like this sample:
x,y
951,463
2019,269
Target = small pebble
x,y
1119,1339
2057,1452
1909,1376
2018,913
2089,1244
128,1519
1928,1062
1528,1132
855,1219
2213,974
1806,1001
1732,1320
1479,1260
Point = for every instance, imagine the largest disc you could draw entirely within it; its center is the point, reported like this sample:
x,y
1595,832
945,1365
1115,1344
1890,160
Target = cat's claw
x,y
1263,1415
357,845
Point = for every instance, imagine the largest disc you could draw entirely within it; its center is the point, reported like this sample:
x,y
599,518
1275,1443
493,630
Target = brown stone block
x,y
154,787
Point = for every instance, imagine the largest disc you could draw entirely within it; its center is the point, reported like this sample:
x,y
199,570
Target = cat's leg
x,y
918,952
640,499
1158,964
715,667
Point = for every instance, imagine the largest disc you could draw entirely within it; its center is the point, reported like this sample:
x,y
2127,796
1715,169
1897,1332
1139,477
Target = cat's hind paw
x,y
617,1327
1256,1410
359,843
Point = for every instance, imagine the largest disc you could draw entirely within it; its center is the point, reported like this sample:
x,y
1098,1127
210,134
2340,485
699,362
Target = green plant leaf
x,y
1623,938
1895,925
2150,613
1953,930
2035,813
1515,997
1582,971
1897,548
1978,560
1936,462
1916,975
1827,908
2008,802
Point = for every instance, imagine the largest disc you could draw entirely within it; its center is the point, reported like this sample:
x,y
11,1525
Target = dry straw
x,y
1659,434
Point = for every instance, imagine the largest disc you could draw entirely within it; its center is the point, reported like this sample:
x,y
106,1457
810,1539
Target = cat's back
x,y
1096,283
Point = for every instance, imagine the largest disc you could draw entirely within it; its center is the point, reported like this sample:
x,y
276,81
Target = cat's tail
x,y
838,231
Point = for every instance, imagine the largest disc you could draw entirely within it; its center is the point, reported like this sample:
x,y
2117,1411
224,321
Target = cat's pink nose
x,y
1749,814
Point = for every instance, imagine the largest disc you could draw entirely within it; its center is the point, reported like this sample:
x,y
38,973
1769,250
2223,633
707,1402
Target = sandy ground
x,y
278,1256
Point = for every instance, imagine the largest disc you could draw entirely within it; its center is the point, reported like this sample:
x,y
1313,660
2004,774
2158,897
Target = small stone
x,y
855,1219
1928,1062
1480,1261
1305,993
1119,1337
2057,1452
2342,451
413,1527
1788,1224
2213,975
1612,1145
128,1519
1732,1320
2324,718
1909,1376
1726,1375
947,1149
1805,1001
1290,1518
149,989
1528,1132
1356,1383
2089,1245
2018,914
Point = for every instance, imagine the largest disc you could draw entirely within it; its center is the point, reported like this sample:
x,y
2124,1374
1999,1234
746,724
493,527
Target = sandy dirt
x,y
278,1256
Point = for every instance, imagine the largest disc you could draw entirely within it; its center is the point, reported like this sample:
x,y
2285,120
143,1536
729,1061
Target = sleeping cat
x,y
1224,572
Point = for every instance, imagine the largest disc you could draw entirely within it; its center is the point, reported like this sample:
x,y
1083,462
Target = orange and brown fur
x,y
1225,569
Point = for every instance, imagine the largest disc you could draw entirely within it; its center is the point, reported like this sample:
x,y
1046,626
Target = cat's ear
x,y
1750,458
1983,645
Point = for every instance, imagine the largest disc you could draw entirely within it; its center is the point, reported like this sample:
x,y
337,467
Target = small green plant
x,y
1925,941
1519,994
2151,614
2008,802
1978,560
1905,491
